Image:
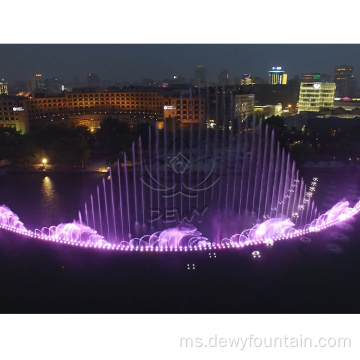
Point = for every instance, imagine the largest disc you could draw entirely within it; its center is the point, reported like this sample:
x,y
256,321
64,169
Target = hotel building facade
x,y
90,108
13,113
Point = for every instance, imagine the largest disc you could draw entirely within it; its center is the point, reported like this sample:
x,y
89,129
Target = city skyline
x,y
125,62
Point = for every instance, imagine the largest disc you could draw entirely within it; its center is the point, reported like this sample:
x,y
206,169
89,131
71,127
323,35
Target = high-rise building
x,y
277,76
3,87
200,74
38,82
315,77
244,105
344,80
35,83
317,95
246,79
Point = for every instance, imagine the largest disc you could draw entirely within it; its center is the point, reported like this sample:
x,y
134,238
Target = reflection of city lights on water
x,y
48,188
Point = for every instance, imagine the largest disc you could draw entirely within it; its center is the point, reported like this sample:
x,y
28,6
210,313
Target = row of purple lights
x,y
211,246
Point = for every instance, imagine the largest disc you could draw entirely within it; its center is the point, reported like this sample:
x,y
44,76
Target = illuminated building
x,y
3,87
246,80
343,108
89,109
314,96
35,83
266,111
185,110
344,80
315,77
38,82
73,107
13,113
277,76
244,105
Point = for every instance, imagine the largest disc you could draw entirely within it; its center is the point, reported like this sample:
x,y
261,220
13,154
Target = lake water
x,y
301,276
47,199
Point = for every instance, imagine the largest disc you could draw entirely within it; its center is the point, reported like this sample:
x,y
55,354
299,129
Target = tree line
x,y
75,146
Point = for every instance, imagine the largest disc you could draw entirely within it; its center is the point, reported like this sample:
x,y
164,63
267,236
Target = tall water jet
x,y
220,180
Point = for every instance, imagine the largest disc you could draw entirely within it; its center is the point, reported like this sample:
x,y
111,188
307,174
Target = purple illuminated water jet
x,y
182,238
190,189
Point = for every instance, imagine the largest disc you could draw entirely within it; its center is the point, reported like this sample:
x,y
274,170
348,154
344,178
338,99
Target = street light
x,y
44,161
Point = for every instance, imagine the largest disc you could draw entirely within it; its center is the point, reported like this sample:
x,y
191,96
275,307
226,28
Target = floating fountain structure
x,y
186,189
197,187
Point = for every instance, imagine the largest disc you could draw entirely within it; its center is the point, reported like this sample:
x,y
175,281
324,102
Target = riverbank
x,y
53,171
96,168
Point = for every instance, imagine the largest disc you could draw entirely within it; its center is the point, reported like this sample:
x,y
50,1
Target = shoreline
x,y
52,171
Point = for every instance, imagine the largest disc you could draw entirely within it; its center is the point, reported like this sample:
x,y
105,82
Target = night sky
x,y
159,61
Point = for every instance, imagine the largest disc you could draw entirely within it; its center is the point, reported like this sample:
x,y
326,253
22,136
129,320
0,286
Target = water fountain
x,y
206,187
196,188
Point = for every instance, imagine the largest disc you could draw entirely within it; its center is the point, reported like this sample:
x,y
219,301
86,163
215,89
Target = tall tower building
x,y
3,87
200,74
344,80
35,83
317,95
277,76
38,85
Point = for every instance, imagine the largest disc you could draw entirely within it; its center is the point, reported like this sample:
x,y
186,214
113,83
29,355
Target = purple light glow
x,y
180,238
73,232
7,217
